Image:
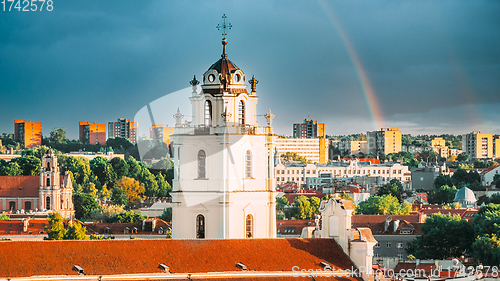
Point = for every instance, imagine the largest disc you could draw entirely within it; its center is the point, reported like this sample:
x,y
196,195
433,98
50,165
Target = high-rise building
x,y
385,141
478,145
28,133
496,146
314,150
349,147
310,129
161,133
123,128
92,133
438,142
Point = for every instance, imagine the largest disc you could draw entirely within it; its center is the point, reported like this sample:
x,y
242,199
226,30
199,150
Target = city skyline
x,y
423,67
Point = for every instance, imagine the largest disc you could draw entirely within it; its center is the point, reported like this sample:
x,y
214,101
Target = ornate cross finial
x,y
178,118
253,83
222,27
269,118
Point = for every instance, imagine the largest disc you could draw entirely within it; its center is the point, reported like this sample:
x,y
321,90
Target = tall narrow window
x,y
47,203
12,205
200,227
178,163
201,164
48,166
248,164
27,206
249,226
241,113
208,113
48,181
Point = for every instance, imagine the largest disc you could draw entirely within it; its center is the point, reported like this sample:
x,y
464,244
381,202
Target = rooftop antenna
x,y
223,27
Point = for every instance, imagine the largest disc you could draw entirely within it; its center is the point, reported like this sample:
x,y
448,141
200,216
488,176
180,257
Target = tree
x,y
76,231
56,229
314,203
120,167
84,204
167,215
463,157
119,197
496,180
281,202
80,168
4,217
443,195
440,239
103,170
132,189
164,187
129,217
394,188
57,135
476,186
486,250
10,169
30,165
442,180
304,209
106,213
383,205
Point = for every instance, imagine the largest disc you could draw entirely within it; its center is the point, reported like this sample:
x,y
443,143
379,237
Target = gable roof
x,y
372,219
19,186
15,227
107,257
293,227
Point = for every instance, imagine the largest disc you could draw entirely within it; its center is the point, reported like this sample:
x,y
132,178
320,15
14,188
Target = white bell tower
x,y
223,183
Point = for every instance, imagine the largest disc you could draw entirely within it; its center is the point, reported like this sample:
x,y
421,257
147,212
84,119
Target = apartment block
x,y
438,145
478,145
385,141
123,128
438,142
310,129
161,133
315,150
28,133
92,133
349,147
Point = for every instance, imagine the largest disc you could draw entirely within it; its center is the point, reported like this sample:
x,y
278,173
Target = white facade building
x,y
314,150
223,183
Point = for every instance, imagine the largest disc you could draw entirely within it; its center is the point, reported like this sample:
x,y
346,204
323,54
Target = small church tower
x,y
223,183
54,194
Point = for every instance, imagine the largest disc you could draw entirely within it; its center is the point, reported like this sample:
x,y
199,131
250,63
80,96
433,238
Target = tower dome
x,y
465,197
224,72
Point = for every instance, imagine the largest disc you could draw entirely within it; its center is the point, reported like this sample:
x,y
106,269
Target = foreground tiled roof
x,y
108,257
372,219
19,186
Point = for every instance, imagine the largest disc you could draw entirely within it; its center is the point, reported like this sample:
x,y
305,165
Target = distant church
x,y
223,183
45,193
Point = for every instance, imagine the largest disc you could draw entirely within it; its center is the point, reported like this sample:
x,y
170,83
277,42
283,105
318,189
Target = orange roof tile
x,y
19,186
105,257
15,227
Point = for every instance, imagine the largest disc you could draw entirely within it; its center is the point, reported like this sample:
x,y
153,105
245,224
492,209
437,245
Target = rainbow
x,y
365,84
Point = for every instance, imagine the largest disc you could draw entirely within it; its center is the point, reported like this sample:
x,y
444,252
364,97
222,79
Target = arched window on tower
x,y
248,164
47,203
48,181
202,157
208,113
200,226
48,166
249,226
241,113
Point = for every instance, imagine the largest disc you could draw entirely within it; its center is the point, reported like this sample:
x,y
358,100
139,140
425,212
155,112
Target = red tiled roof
x,y
467,214
293,227
292,196
489,169
105,257
405,266
119,228
363,219
427,267
19,186
15,227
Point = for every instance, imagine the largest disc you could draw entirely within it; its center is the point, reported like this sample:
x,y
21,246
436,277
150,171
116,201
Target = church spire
x,y
223,27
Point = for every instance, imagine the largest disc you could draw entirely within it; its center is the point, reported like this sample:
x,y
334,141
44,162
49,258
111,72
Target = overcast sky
x,y
433,66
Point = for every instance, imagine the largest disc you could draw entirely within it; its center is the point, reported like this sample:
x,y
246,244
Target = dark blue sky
x,y
434,65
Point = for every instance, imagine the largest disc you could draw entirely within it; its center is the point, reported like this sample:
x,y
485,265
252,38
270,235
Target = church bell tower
x,y
223,183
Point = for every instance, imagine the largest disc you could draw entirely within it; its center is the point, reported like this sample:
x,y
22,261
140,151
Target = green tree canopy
x,y
56,230
443,236
84,203
29,164
75,231
281,202
394,188
443,195
383,205
132,189
57,135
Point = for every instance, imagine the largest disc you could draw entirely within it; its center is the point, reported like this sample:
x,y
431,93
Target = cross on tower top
x,y
222,27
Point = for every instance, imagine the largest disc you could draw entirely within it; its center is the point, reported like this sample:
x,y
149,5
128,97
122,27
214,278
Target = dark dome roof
x,y
224,66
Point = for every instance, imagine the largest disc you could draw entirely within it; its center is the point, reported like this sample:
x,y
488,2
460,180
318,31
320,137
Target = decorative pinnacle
x,y
178,118
194,82
253,83
269,118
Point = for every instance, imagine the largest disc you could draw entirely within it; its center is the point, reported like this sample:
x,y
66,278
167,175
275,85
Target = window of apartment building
x,y
377,255
308,172
388,244
377,245
400,256
400,245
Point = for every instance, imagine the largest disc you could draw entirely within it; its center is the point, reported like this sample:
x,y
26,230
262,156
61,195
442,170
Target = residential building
x,y
48,192
310,129
123,128
161,133
92,133
349,147
438,142
385,141
314,150
478,145
422,177
488,174
314,176
496,146
438,145
28,134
